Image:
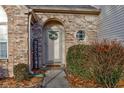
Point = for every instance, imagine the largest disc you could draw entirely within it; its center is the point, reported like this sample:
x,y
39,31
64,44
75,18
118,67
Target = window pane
x,y
3,16
3,49
80,35
3,33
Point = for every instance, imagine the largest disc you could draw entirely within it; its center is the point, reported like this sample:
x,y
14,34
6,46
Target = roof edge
x,y
68,11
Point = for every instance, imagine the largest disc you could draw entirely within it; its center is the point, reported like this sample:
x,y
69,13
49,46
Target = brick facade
x,y
73,23
17,38
18,33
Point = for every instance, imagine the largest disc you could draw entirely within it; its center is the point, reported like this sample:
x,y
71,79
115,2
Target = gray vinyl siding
x,y
111,22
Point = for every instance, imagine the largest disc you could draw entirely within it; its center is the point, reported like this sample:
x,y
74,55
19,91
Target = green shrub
x,y
77,61
21,72
107,61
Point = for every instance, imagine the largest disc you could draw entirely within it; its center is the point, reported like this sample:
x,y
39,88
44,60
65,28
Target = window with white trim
x,y
80,35
3,34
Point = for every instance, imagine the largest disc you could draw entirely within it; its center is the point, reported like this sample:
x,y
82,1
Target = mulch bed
x,y
34,82
77,82
121,84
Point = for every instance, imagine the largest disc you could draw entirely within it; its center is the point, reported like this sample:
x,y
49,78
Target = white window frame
x,y
4,22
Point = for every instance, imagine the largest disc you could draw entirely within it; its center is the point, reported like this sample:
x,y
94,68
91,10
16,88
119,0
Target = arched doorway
x,y
53,42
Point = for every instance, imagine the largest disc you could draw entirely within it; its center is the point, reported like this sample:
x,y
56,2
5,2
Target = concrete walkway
x,y
55,79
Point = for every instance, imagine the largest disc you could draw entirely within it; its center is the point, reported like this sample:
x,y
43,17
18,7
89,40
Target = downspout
x,y
29,39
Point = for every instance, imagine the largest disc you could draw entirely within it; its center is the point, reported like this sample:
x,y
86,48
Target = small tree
x,y
107,60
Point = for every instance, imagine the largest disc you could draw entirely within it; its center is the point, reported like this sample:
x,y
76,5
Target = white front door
x,y
54,43
54,46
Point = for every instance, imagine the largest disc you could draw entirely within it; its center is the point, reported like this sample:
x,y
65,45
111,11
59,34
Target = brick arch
x,y
10,9
54,20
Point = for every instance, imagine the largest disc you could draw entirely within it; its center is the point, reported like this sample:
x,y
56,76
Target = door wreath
x,y
53,35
